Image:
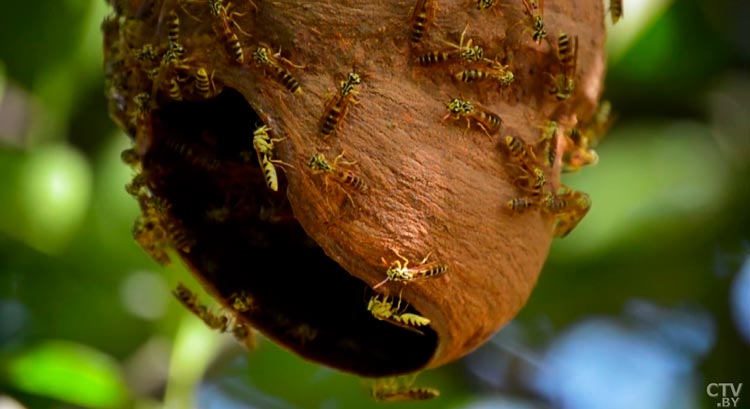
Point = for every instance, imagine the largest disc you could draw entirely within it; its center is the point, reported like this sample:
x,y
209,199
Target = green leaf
x,y
69,372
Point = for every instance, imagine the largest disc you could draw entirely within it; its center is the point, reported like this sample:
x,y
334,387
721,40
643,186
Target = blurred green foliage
x,y
86,317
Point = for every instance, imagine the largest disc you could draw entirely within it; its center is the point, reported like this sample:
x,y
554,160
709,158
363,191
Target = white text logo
x,y
727,393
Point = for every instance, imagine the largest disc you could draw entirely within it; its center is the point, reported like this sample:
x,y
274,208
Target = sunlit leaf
x,y
69,372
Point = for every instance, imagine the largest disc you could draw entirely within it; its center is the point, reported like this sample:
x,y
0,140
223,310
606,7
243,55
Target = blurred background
x,y
644,305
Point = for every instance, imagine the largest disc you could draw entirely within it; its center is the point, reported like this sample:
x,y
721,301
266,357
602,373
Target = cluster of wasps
x,y
154,230
170,71
582,140
222,321
392,309
174,75
466,62
335,110
526,166
226,28
562,84
399,389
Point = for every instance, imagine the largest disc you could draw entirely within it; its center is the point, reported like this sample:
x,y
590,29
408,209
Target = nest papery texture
x,y
431,185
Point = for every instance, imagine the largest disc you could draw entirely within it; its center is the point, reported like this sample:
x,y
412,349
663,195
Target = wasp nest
x,y
374,185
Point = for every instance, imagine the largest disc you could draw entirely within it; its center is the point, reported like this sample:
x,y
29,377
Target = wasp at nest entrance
x,y
201,168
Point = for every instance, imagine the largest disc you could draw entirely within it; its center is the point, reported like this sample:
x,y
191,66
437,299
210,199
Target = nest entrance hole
x,y
246,242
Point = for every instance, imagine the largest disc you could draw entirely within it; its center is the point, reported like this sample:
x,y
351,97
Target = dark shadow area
x,y
247,241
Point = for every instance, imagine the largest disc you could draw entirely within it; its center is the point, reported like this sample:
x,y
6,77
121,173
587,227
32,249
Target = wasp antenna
x,y
378,285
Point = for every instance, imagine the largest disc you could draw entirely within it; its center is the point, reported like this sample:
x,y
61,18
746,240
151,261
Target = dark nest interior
x,y
244,239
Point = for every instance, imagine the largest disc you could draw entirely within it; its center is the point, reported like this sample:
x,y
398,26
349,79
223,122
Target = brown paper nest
x,y
307,256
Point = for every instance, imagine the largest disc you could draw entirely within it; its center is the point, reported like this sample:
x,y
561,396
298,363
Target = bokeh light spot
x,y
143,295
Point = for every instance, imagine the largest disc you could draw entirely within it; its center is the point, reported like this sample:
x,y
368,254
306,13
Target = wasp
x,y
264,149
187,298
562,86
384,310
242,302
263,143
550,150
264,59
173,56
485,120
615,7
130,157
174,90
303,333
269,173
150,236
136,184
518,149
152,73
338,106
319,164
496,71
435,57
579,153
579,158
173,28
577,138
137,115
531,181
569,207
548,142
538,32
599,125
520,204
196,155
567,53
220,11
403,273
348,177
204,84
484,4
346,87
155,210
146,53
142,101
563,83
178,237
406,394
466,52
243,334
231,42
549,130
391,390
421,15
